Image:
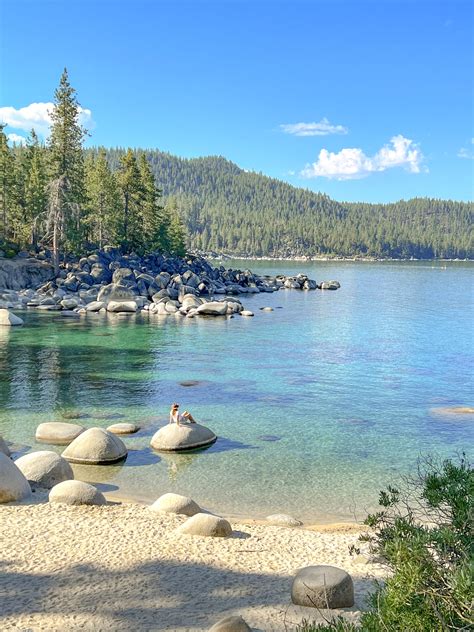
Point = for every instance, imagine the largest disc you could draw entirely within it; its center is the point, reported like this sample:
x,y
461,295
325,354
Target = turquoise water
x,y
317,405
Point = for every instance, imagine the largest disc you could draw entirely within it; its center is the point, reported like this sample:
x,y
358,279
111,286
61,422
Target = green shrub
x,y
424,533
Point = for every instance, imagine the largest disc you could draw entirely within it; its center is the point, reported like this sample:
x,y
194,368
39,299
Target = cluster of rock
x,y
48,471
108,281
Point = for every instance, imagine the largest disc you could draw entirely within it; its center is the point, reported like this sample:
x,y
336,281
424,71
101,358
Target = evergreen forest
x,y
60,195
229,210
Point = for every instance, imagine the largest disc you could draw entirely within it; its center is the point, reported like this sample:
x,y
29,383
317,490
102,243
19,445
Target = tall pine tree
x,y
66,156
130,183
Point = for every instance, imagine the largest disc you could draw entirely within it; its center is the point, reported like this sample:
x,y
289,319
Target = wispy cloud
x,y
467,153
37,116
16,138
352,163
323,128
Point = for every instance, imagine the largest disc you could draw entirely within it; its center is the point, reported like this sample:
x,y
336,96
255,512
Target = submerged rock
x,y
183,437
123,428
283,520
58,432
190,383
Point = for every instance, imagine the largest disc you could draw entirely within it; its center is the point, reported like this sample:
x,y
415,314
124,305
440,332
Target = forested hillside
x,y
227,209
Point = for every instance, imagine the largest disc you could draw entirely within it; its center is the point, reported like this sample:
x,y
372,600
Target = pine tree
x,y
35,194
176,231
104,201
154,228
130,183
7,185
66,154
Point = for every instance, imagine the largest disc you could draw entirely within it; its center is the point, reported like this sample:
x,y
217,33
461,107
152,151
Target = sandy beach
x,y
123,567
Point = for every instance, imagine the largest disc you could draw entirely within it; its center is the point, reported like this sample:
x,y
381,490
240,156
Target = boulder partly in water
x,y
123,428
58,432
174,437
44,468
7,319
95,446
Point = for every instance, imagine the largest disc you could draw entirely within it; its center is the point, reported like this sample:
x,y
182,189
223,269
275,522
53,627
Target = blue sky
x,y
361,100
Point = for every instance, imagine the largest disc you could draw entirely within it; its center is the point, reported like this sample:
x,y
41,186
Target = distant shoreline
x,y
336,258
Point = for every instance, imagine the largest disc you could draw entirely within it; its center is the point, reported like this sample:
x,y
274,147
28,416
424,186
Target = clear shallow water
x,y
345,383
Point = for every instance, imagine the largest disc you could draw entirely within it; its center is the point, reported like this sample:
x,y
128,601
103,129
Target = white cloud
x,y
16,138
323,128
37,116
466,153
351,163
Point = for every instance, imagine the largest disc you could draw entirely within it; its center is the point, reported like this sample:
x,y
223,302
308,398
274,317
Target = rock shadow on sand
x,y
178,595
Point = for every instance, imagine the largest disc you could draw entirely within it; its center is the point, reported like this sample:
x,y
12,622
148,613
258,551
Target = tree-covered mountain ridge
x,y
242,213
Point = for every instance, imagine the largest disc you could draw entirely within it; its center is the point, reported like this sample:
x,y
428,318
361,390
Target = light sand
x,y
122,567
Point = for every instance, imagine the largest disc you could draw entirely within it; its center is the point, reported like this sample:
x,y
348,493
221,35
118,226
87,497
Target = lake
x,y
317,404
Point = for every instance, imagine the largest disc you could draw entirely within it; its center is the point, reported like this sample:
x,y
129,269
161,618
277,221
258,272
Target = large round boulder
x,y
183,437
323,587
13,484
58,432
231,624
76,493
95,446
8,319
4,448
206,525
44,468
177,504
